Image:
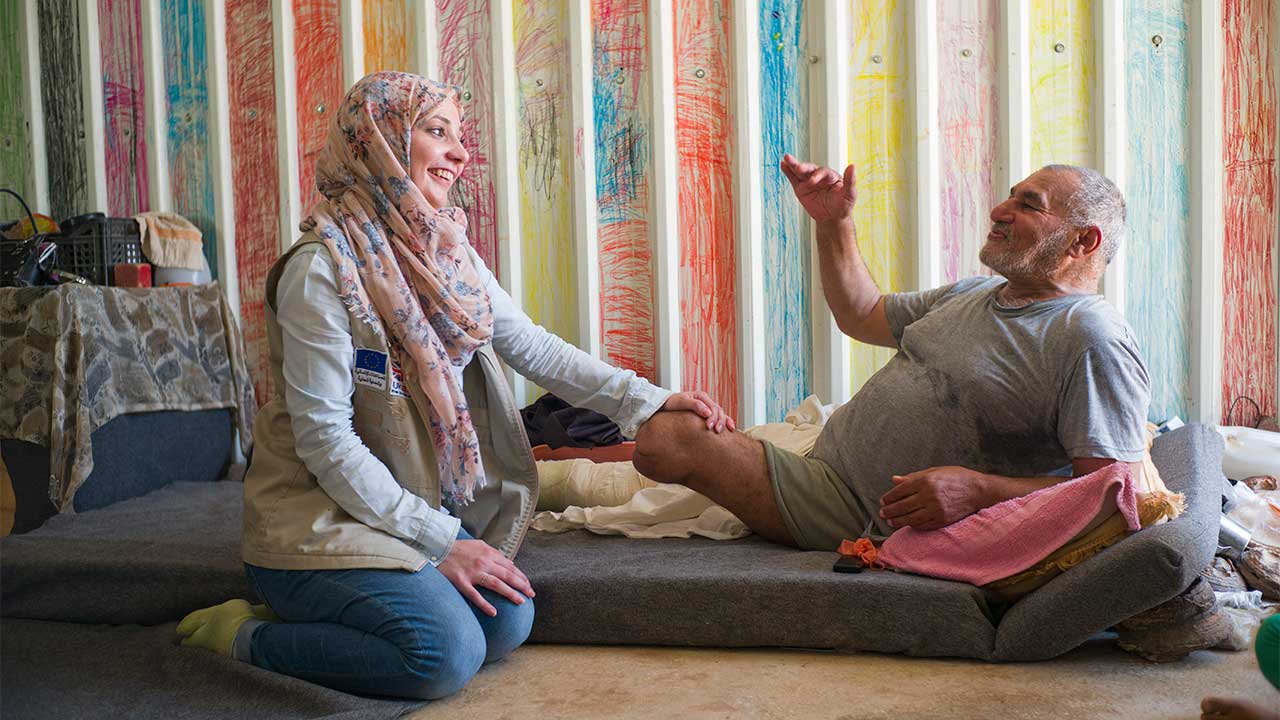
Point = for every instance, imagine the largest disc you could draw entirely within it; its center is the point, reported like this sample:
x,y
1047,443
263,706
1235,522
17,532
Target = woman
x,y
391,481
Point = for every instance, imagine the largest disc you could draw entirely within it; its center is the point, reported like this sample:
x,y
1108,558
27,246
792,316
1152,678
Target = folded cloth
x,y
1014,535
555,423
662,511
169,240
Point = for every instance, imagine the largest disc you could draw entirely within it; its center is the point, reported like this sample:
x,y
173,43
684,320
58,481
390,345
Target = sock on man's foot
x,y
221,628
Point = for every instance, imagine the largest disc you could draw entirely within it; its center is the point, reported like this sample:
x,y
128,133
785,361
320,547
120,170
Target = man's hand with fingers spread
x,y
473,564
822,192
934,498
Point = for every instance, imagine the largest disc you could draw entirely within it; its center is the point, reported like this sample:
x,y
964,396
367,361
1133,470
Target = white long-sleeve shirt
x,y
319,382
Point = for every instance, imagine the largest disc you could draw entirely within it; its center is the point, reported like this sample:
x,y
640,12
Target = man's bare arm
x,y
855,301
851,293
938,496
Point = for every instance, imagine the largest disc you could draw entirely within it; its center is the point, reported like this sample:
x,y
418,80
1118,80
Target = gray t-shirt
x,y
1016,392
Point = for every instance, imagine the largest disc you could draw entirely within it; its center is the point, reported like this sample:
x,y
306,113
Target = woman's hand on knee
x,y
475,564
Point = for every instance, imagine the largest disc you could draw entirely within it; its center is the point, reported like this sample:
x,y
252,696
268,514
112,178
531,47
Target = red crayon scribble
x,y
317,47
122,91
704,142
1249,153
254,179
465,61
623,138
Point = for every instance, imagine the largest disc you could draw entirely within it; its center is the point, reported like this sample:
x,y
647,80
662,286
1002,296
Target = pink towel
x,y
1010,537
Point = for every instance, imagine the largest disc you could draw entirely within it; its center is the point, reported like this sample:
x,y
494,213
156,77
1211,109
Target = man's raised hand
x,y
823,193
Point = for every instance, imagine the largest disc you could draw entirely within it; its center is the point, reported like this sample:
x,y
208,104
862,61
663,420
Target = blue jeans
x,y
381,632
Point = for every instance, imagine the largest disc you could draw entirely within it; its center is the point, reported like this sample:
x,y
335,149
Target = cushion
x,y
152,559
133,454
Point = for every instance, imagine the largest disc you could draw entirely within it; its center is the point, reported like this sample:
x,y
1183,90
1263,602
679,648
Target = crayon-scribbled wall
x,y
624,180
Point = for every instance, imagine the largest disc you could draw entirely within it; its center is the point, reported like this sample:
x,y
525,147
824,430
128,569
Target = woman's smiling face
x,y
436,155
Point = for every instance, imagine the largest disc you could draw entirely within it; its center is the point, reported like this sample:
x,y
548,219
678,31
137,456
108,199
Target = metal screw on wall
x,y
320,108
1059,48
813,59
1156,40
966,53
466,96
700,73
876,59
538,82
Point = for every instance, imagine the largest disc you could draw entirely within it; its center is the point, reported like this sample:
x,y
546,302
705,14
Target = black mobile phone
x,y
848,564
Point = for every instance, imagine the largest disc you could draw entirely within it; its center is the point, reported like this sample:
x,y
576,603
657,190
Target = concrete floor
x,y
1096,681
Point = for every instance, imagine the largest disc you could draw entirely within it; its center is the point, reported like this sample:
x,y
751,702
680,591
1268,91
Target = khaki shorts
x,y
818,507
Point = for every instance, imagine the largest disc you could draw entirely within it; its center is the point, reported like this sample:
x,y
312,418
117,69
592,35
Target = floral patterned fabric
x,y
74,357
402,264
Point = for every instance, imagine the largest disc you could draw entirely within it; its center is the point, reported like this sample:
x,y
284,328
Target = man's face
x,y
1028,233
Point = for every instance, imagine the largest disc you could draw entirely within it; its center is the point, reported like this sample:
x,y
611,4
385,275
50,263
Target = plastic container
x,y
1249,452
179,276
89,245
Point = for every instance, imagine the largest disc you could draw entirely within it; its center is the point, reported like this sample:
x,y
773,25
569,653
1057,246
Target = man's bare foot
x,y
1214,708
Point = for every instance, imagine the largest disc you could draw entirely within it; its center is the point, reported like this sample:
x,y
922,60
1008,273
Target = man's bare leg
x,y
727,467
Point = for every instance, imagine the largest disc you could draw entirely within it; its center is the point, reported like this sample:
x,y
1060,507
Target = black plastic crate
x,y
88,245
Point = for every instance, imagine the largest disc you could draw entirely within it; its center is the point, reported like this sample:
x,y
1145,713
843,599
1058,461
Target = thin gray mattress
x,y
150,560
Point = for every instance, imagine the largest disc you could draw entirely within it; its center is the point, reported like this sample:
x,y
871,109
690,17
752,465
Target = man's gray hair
x,y
1096,202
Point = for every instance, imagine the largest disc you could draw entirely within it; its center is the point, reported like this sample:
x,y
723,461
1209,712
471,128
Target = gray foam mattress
x,y
152,559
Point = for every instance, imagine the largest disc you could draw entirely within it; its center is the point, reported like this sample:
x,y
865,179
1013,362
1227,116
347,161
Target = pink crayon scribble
x,y
1249,142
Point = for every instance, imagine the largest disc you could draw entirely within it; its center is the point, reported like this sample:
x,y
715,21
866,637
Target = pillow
x,y
1156,504
1019,545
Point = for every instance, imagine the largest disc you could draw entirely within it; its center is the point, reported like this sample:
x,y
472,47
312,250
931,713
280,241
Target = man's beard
x,y
1037,263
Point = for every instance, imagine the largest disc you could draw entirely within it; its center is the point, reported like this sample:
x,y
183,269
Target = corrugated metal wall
x,y
624,178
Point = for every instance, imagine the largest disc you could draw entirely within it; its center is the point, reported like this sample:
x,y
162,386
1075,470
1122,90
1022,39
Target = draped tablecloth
x,y
73,357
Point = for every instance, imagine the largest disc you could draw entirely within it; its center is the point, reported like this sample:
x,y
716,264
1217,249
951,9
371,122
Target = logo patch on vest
x,y
371,368
397,380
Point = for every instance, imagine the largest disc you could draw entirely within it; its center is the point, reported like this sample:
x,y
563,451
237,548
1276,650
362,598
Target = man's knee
x,y
662,444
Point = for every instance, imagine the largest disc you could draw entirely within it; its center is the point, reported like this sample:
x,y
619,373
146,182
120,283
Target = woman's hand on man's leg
x,y
702,405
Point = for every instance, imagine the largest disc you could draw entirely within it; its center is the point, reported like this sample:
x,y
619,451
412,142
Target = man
x,y
1001,385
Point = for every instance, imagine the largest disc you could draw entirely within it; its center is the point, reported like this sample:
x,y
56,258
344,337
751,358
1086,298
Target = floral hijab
x,y
403,266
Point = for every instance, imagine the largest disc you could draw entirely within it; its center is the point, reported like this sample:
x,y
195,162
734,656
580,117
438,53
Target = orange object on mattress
x,y
864,550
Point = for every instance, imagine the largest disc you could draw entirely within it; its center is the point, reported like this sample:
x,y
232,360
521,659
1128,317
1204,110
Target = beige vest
x,y
290,523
